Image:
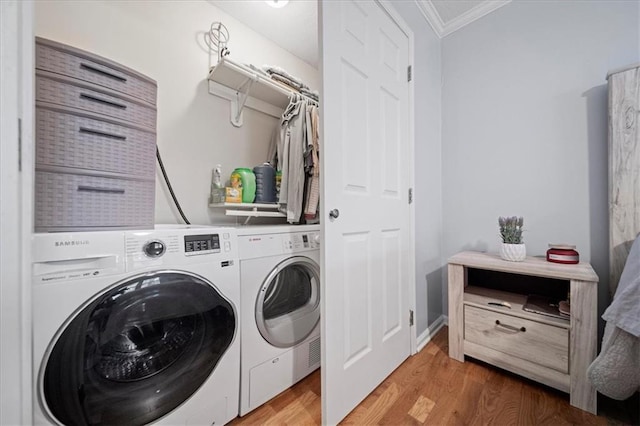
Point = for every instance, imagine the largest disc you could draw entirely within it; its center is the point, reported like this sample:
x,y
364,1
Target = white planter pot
x,y
513,252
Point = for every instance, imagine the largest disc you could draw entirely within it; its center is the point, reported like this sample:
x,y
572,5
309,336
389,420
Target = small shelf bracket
x,y
254,210
238,104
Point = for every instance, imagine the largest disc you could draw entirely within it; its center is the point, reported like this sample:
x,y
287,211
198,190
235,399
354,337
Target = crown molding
x,y
429,13
443,29
471,15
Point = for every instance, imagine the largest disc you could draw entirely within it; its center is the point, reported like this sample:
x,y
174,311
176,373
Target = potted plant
x,y
512,248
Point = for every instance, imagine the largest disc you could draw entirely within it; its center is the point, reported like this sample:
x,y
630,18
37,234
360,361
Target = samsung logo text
x,y
71,243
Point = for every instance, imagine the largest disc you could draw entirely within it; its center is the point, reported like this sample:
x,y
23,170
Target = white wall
x,y
525,124
164,40
428,170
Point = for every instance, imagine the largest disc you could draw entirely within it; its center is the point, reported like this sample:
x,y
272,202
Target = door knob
x,y
333,214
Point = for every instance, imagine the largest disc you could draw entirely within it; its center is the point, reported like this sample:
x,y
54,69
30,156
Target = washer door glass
x,y
137,351
288,305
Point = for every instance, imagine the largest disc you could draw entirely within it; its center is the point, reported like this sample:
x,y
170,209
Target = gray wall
x,y
428,165
525,124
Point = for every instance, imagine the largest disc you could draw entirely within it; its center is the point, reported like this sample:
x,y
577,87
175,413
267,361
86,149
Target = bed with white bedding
x,y
616,371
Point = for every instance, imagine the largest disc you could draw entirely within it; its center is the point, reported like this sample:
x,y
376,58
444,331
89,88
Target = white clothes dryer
x,y
136,327
280,309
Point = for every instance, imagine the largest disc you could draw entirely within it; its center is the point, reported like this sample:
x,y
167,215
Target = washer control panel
x,y
201,244
179,247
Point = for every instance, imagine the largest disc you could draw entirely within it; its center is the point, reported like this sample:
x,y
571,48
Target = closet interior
x,y
294,146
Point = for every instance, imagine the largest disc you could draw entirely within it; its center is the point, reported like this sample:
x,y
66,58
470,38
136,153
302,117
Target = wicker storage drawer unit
x,y
95,142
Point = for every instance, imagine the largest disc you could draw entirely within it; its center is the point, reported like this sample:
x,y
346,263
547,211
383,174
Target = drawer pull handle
x,y
102,190
102,101
103,134
510,327
102,72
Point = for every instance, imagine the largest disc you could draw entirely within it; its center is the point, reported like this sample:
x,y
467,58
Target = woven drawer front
x,y
79,201
60,93
529,340
65,63
68,140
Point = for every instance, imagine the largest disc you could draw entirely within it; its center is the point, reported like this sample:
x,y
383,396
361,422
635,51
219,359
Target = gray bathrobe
x,y
286,154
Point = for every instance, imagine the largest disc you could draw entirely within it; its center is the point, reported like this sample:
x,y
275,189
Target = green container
x,y
247,179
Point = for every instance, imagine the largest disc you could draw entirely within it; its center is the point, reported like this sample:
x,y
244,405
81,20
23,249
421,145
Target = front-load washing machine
x,y
136,327
280,309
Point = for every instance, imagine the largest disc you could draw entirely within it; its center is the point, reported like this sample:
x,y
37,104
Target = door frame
x,y
16,210
387,6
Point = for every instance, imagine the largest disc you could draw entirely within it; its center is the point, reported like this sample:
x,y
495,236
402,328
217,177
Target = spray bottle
x,y
217,188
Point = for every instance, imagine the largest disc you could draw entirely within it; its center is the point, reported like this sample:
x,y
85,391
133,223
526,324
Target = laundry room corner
x,y
247,212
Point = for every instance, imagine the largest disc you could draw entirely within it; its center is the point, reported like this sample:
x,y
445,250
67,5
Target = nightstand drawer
x,y
533,341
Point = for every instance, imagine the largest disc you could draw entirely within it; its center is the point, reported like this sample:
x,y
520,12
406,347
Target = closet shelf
x,y
245,87
249,210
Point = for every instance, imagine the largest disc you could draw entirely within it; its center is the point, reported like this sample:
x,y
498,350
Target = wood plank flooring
x,y
430,388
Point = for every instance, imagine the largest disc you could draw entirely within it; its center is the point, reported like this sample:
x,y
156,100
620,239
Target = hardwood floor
x,y
430,388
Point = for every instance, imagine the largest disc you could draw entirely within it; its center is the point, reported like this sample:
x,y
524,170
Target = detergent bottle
x,y
247,180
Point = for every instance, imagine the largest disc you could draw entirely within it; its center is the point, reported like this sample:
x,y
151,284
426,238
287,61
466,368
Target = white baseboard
x,y
431,331
446,319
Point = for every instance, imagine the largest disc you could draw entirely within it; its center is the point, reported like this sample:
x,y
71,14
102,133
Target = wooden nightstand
x,y
553,351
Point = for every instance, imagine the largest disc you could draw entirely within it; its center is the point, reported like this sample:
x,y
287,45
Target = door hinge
x,y
19,144
409,73
410,318
410,195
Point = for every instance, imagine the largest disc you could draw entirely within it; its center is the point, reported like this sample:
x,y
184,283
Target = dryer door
x,y
288,305
137,351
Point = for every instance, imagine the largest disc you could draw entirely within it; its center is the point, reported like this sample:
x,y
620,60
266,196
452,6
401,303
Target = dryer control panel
x,y
301,241
261,245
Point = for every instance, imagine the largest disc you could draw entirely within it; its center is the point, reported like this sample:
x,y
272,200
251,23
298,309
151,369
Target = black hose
x,y
166,179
